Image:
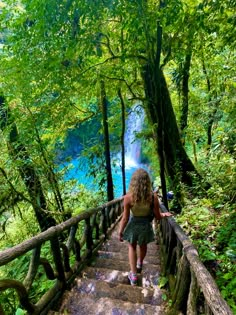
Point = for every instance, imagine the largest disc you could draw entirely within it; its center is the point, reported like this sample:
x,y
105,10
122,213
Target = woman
x,y
135,225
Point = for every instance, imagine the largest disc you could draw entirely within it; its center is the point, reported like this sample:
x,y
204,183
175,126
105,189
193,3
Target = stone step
x,y
122,265
147,279
155,260
107,306
97,289
105,274
103,287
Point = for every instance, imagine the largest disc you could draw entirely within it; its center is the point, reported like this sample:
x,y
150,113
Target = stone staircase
x,y
103,287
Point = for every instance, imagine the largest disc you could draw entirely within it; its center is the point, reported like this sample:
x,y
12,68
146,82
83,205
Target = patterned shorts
x,y
139,230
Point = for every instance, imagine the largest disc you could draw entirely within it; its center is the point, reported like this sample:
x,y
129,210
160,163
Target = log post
x,y
55,247
211,292
77,249
172,266
21,291
66,257
193,295
71,237
171,245
108,216
104,222
33,267
181,285
89,238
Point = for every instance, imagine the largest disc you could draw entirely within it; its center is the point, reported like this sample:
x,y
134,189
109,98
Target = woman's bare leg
x,y
133,257
142,253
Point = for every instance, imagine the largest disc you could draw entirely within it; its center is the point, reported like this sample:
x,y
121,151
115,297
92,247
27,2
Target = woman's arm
x,y
156,208
125,216
158,214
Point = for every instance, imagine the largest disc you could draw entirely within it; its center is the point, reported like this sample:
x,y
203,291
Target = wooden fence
x,y
71,245
193,290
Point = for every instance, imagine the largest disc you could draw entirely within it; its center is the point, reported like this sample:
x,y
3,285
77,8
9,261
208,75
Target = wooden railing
x,y
71,245
193,290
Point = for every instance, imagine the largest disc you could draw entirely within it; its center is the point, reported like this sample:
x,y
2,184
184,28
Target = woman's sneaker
x,y
139,267
133,278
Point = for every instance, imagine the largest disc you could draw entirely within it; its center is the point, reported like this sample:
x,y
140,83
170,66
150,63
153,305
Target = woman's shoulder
x,y
128,198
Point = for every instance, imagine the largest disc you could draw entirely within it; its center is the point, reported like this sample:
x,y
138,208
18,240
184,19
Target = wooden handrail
x,y
188,277
193,289
80,244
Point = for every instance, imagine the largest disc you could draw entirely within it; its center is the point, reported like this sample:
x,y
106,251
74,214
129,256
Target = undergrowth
x,y
213,232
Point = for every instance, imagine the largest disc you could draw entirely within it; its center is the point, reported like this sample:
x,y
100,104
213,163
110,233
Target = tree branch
x,y
111,59
129,86
12,187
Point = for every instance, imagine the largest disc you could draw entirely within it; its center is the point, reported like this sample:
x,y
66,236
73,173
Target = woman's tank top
x,y
141,210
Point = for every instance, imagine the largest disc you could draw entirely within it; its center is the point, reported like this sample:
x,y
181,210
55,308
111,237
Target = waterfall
x,y
134,125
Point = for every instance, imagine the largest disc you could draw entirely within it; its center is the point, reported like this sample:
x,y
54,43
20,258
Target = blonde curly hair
x,y
140,187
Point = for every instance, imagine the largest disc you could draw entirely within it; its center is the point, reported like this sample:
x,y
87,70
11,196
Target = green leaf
x,y
19,311
163,282
164,297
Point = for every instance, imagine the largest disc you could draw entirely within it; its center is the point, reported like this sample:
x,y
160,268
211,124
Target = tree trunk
x,y
178,165
214,110
122,141
185,90
110,193
177,160
160,138
210,123
51,176
27,172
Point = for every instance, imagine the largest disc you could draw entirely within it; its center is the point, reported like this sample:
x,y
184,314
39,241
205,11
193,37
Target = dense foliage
x,y
54,54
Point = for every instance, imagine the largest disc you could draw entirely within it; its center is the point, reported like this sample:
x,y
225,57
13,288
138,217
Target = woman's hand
x,y
166,214
121,237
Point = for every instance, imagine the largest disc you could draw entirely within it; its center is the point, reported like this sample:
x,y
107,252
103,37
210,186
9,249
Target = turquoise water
x,y
134,125
75,173
117,180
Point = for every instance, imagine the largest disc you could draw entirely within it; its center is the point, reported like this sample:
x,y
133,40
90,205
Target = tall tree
x,y
178,165
185,92
104,103
28,174
122,140
58,47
